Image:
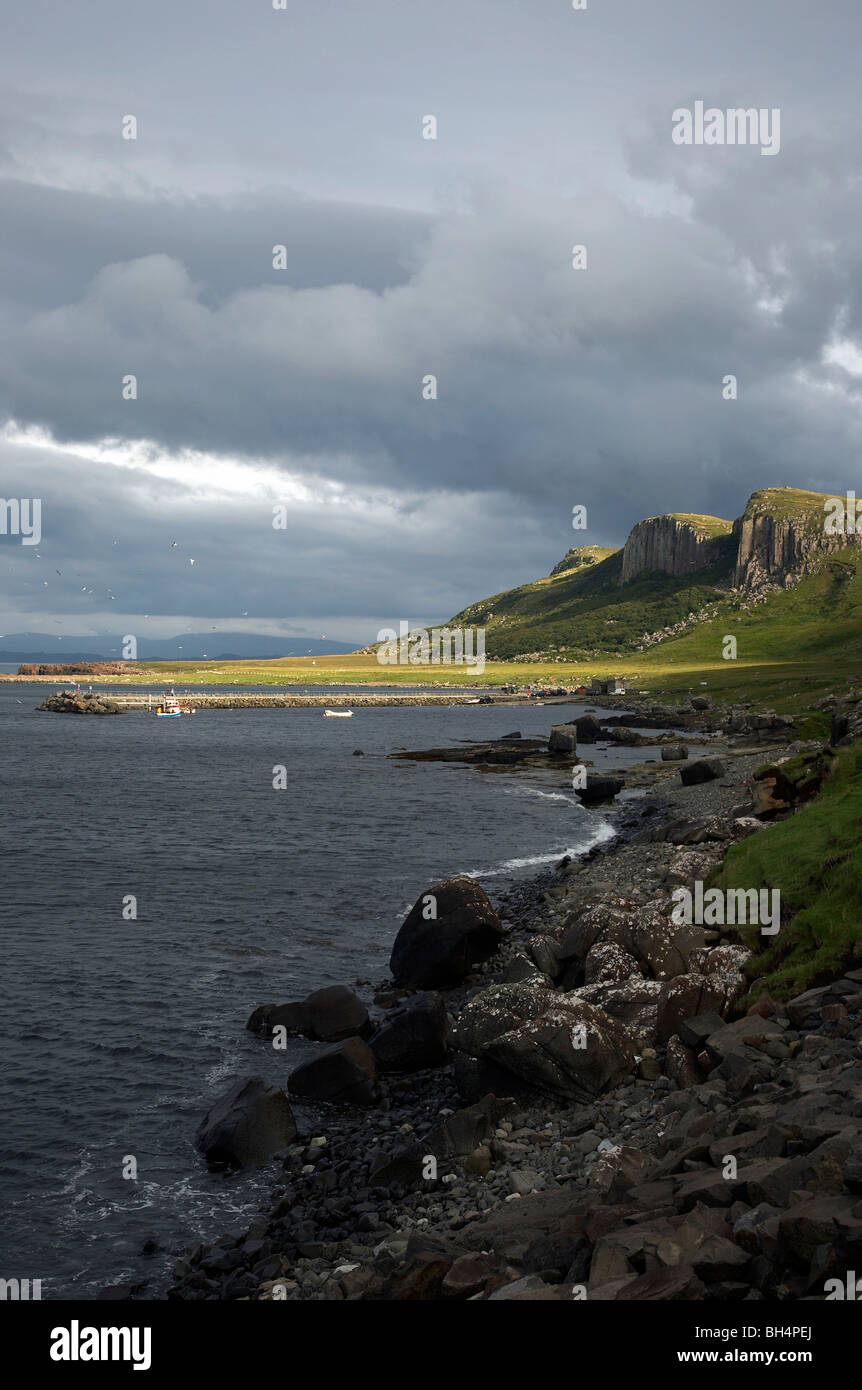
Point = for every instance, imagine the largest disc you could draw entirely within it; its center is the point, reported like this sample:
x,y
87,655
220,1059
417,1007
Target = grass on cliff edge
x,y
815,859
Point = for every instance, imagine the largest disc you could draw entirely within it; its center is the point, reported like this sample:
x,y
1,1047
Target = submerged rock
x,y
327,1015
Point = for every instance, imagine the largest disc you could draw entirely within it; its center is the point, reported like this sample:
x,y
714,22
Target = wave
x,y
599,835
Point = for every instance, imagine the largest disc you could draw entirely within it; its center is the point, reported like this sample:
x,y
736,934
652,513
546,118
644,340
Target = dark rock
x,y
326,1015
469,1275
573,1049
588,728
68,702
674,753
695,1031
414,1038
465,1130
622,735
599,788
678,1283
345,1073
433,952
248,1125
704,770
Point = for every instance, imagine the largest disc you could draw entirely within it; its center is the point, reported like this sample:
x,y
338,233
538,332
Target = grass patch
x,y
815,858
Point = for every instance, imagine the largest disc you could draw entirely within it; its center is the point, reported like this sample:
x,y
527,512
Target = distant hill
x,y
186,646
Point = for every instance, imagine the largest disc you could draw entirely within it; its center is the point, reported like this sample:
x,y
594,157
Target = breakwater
x,y
144,700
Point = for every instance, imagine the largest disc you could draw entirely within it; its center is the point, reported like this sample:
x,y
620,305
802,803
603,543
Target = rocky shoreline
x,y
471,1149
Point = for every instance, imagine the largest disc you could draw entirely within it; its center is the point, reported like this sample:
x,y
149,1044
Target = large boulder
x,y
563,740
573,1049
344,1073
608,964
327,1015
588,727
433,951
413,1038
704,770
674,753
599,788
632,1002
249,1124
622,734
663,947
683,999
611,920
498,1010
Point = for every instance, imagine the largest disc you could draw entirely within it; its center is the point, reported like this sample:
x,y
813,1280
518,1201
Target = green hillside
x,y
582,611
788,504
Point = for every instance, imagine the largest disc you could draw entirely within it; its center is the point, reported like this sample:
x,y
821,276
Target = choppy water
x,y
119,1034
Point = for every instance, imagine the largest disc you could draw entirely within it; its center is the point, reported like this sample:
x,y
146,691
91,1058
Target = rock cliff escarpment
x,y
674,545
781,532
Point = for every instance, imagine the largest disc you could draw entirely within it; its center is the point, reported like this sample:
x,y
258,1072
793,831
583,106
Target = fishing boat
x,y
338,714
170,708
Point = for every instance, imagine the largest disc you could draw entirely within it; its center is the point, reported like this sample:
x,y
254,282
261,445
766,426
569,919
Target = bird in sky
x,y
173,543
191,562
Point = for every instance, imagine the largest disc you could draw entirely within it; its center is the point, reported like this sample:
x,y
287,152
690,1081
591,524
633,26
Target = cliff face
x,y
772,545
780,533
673,544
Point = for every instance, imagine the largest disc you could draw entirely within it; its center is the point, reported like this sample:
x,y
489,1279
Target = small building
x,y
609,685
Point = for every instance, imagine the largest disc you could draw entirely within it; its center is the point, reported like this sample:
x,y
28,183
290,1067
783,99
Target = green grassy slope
x,y
584,612
815,859
789,645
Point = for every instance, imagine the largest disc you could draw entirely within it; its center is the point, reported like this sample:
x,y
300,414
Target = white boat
x,y
338,714
170,708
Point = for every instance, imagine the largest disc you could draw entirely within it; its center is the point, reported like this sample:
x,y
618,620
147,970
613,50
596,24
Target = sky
x,y
305,388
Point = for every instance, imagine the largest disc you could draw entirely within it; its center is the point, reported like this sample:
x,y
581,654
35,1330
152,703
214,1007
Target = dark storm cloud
x,y
555,386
